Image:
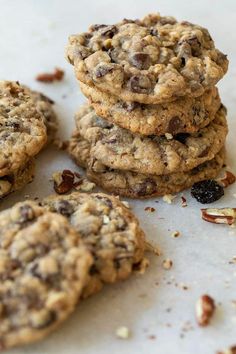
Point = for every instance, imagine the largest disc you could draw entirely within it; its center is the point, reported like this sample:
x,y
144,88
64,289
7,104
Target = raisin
x,y
207,191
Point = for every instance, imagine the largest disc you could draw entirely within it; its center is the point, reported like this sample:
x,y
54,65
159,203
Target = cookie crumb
x,y
152,337
123,332
126,204
168,136
168,198
175,234
167,264
57,75
184,202
151,209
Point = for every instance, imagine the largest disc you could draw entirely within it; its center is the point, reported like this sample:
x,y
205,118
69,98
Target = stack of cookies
x,y
155,123
27,124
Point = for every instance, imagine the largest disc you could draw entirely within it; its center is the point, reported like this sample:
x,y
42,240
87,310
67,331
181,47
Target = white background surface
x,y
33,35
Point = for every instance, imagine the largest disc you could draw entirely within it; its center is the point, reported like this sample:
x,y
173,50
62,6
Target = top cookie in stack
x,y
151,84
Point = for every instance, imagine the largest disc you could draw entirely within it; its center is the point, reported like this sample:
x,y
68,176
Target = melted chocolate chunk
x,y
139,84
174,125
102,70
140,60
64,208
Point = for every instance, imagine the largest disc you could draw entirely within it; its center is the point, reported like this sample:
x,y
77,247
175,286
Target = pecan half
x,y
228,179
63,181
219,216
205,308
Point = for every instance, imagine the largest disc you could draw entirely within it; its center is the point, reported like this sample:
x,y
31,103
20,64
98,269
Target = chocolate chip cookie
x,y
22,130
153,60
185,115
109,230
119,149
17,180
137,185
43,269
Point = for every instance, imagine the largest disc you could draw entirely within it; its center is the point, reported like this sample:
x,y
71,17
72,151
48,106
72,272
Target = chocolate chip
x,y
139,84
96,27
189,47
109,31
102,123
204,152
64,208
46,321
106,201
93,270
181,137
129,106
26,213
174,125
140,60
154,31
145,188
102,70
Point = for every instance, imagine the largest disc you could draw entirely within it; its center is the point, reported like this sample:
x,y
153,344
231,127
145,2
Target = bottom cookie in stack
x,y
135,185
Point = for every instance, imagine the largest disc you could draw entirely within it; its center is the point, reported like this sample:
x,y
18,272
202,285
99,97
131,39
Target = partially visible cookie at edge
x,y
22,132
43,269
152,60
109,230
185,115
18,179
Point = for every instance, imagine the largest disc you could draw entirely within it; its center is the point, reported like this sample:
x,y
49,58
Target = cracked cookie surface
x,y
185,115
43,268
117,148
136,185
152,60
22,130
109,230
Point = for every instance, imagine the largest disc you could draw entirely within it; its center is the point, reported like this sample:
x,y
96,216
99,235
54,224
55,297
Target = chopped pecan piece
x,y
205,308
219,216
57,75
